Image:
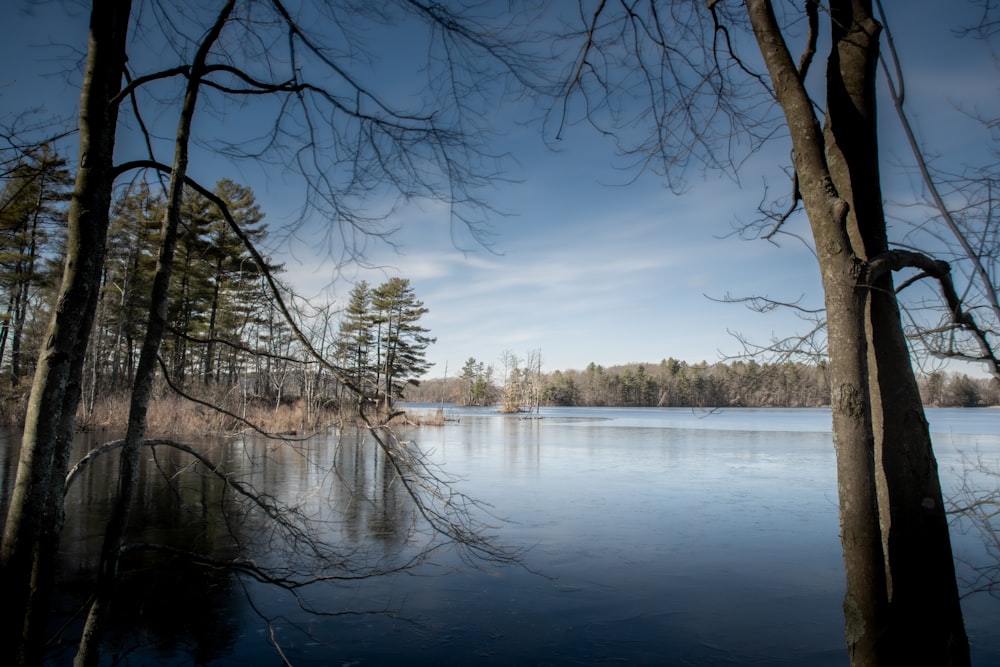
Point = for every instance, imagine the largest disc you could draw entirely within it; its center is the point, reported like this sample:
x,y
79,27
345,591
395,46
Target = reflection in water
x,y
665,537
165,604
329,507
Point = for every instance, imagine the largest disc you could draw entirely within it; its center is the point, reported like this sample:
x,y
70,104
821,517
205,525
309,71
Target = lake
x,y
651,536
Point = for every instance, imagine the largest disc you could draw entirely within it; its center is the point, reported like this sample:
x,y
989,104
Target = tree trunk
x,y
26,271
5,324
88,654
901,605
34,517
925,615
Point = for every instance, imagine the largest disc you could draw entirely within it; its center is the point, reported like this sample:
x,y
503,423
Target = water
x,y
653,536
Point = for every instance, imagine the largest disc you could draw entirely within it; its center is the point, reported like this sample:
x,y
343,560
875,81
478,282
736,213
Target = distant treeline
x,y
673,383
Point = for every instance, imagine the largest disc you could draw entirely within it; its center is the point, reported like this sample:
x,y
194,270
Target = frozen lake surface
x,y
652,536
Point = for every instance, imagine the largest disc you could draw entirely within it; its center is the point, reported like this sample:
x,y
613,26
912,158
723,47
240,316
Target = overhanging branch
x,y
940,270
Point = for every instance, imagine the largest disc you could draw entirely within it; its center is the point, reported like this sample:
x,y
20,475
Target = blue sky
x,y
590,265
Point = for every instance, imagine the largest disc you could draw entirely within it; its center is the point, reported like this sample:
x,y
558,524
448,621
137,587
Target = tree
x,y
31,213
217,280
35,512
511,394
400,341
142,384
484,391
477,383
960,201
356,336
354,146
128,270
470,372
561,390
233,270
700,89
934,388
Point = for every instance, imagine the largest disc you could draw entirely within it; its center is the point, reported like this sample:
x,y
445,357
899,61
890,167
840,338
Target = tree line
x,y
674,383
225,336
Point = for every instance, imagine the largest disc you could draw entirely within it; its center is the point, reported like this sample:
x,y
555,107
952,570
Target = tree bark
x,y
901,604
35,515
925,614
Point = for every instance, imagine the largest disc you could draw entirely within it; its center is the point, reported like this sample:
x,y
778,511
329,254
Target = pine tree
x,y
354,345
216,292
128,269
32,220
235,276
401,342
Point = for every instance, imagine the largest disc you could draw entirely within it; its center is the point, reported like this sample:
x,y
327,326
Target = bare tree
x,y
142,386
35,514
707,98
322,119
975,507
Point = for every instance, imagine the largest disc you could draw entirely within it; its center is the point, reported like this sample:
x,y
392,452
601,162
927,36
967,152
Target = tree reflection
x,y
167,601
373,506
210,519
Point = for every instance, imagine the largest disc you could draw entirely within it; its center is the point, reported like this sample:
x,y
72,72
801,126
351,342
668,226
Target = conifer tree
x,y
401,341
131,258
32,220
234,276
354,347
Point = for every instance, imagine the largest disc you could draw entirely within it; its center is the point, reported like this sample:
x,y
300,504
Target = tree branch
x,y
896,260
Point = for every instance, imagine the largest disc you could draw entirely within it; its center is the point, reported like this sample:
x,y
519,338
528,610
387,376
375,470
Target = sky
x,y
589,263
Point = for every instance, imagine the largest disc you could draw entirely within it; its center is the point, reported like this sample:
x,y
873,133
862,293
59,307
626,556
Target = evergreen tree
x,y
401,342
233,270
354,345
216,292
32,222
129,264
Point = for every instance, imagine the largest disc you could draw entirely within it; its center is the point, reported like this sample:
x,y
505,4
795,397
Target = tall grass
x,y
170,414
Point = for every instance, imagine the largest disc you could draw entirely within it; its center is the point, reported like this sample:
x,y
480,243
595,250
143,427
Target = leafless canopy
x,y
671,83
357,106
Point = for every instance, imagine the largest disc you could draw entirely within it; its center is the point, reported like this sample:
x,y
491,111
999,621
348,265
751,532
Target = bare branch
x,y
812,14
134,84
447,511
896,91
896,260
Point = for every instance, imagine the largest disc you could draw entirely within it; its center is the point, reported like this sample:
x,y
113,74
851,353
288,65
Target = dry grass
x,y
425,417
173,415
13,406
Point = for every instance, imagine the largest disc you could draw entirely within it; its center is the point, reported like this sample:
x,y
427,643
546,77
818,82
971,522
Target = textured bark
x,y
926,624
901,604
35,514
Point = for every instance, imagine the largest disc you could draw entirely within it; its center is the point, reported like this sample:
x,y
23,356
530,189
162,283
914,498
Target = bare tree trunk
x,y
5,325
901,605
865,602
925,615
34,517
88,654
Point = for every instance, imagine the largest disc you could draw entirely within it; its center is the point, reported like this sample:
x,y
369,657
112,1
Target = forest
x,y
516,386
100,301
227,341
